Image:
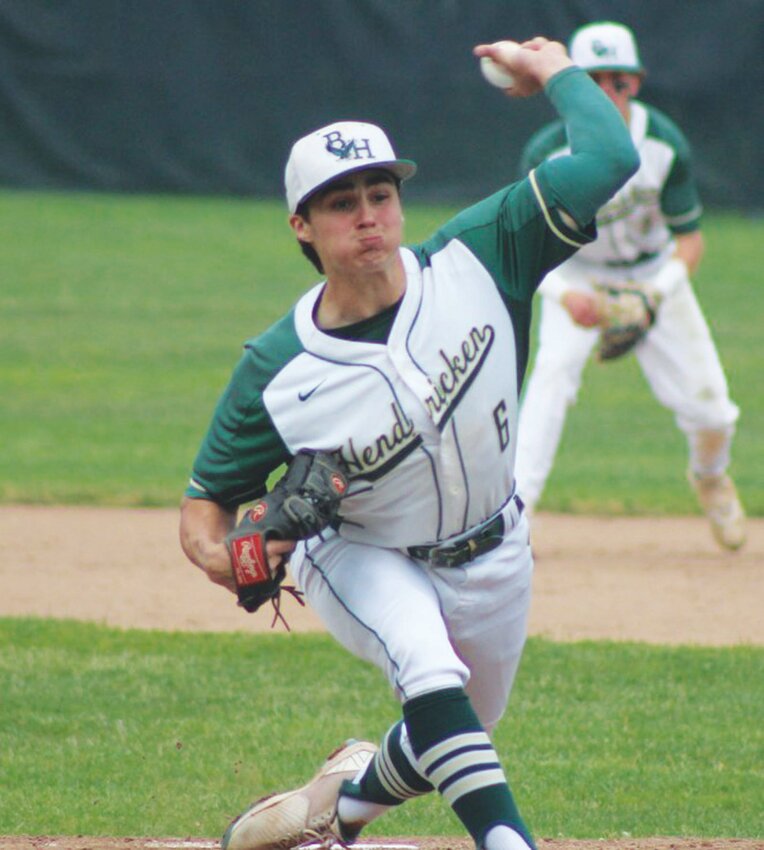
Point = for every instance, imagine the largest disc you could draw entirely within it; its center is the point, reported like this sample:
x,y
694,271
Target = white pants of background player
x,y
426,628
678,358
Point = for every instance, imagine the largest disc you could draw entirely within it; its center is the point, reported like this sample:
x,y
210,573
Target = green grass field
x,y
122,318
104,732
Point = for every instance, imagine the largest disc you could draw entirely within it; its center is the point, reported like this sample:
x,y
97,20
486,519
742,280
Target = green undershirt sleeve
x,y
603,155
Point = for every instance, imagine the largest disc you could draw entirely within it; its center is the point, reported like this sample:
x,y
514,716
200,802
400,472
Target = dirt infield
x,y
657,580
654,580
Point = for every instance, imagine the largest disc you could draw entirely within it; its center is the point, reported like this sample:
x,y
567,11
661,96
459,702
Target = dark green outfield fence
x,y
205,96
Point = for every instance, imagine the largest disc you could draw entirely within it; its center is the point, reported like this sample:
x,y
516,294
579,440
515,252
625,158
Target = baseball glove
x,y
303,503
627,315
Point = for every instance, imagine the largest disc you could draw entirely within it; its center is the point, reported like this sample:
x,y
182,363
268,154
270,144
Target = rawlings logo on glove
x,y
627,315
250,564
303,503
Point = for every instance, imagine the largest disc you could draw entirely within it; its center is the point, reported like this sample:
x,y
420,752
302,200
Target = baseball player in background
x,y
407,362
649,240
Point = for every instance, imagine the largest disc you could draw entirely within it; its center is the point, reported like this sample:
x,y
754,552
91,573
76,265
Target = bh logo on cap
x,y
348,149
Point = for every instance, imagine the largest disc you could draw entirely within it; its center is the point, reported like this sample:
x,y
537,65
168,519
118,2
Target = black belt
x,y
465,547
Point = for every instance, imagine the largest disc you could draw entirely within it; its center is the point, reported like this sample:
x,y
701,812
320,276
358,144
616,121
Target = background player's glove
x,y
627,315
303,503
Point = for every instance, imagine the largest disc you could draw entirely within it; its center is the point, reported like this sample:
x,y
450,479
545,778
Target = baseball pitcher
x,y
391,391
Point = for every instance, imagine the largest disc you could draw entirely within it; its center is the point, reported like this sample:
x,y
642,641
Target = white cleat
x,y
305,815
720,502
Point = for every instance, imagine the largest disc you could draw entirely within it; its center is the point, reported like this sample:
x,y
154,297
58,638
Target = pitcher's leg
x,y
382,607
356,592
457,757
486,611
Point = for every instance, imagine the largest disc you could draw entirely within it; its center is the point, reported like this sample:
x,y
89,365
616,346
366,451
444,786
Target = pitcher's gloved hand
x,y
303,503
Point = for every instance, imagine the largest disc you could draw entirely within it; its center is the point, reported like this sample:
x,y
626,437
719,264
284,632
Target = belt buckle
x,y
453,557
467,550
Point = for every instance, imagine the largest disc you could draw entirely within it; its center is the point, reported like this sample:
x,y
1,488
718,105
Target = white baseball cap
x,y
339,148
605,46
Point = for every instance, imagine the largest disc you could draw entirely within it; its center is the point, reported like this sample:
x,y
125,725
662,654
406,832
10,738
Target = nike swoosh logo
x,y
309,393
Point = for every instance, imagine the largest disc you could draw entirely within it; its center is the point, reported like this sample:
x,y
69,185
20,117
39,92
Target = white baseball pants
x,y
426,627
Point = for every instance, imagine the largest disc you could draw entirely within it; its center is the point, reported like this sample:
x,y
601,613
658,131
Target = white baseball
x,y
494,73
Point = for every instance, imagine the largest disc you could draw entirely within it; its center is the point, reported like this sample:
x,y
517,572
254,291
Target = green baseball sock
x,y
389,780
455,753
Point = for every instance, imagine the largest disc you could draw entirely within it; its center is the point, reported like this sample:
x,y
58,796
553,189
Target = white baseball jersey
x,y
426,419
